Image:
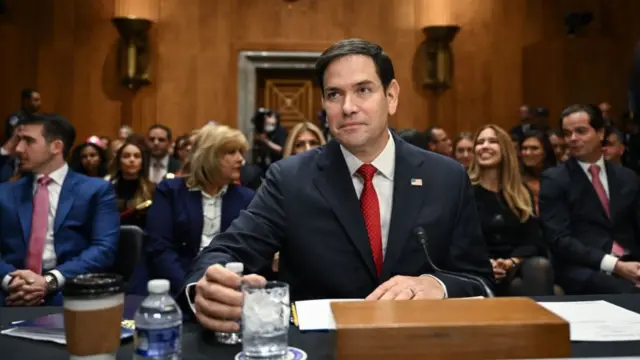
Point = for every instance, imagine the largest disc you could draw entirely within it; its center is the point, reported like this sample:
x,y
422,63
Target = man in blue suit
x,y
344,216
54,223
8,160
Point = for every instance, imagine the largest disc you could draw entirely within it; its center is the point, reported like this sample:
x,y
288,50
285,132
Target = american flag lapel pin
x,y
416,182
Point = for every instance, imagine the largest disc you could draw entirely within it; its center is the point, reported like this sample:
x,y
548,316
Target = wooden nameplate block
x,y
496,328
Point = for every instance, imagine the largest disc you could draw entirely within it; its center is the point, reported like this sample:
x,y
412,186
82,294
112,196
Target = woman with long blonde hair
x,y
512,232
188,211
304,136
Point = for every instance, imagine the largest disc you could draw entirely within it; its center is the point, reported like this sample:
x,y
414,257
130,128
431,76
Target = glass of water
x,y
265,320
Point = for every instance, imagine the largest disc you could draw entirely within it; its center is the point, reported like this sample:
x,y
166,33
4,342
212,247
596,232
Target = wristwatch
x,y
52,283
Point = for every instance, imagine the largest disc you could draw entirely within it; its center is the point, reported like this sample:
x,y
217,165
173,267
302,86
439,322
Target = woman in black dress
x,y
133,188
511,230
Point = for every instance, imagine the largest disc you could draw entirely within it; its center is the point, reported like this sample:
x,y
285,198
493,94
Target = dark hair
x,y
431,139
138,140
556,132
26,94
612,130
413,137
54,127
549,160
180,143
260,116
163,127
76,159
595,115
462,136
382,61
146,158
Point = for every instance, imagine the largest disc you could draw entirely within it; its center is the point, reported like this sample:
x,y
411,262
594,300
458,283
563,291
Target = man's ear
x,y
56,147
392,93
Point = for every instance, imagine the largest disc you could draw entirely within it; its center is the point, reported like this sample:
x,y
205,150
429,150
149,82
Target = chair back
x,y
129,251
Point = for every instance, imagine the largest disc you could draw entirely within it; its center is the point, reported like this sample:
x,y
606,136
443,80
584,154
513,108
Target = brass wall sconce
x,y
439,56
134,55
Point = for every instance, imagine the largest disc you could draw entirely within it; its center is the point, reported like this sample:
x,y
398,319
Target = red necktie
x,y
617,250
39,225
371,213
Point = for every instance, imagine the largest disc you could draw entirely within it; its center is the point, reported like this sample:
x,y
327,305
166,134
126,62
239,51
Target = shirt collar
x,y
56,176
385,163
207,196
585,165
164,162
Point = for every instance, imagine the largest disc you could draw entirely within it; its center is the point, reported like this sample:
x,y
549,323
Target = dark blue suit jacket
x,y
308,210
174,227
7,165
576,225
86,225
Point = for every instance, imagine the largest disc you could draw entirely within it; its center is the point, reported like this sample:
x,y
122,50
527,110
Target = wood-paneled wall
x,y
67,49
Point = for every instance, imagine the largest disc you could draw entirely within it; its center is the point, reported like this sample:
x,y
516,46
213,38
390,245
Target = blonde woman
x,y
304,136
188,211
512,233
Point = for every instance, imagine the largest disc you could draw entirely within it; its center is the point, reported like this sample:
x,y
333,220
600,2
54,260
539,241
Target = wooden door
x,y
291,92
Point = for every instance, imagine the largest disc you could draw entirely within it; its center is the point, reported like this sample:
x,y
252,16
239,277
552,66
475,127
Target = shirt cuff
x,y
608,263
189,291
444,287
59,277
3,152
5,282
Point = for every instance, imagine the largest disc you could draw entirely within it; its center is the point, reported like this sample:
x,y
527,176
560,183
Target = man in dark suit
x,y
343,215
589,209
162,163
55,223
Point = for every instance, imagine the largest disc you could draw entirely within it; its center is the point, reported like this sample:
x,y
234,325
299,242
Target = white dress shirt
x,y
158,169
608,262
385,164
49,260
212,215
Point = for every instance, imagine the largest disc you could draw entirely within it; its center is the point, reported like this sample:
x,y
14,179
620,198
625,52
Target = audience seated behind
x,y
89,159
344,215
159,143
507,218
537,155
69,223
134,190
189,211
591,221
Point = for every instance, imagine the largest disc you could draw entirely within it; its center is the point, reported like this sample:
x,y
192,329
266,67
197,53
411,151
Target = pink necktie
x,y
617,250
370,208
39,224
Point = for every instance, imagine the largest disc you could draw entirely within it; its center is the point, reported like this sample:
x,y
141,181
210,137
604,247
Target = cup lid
x,y
93,285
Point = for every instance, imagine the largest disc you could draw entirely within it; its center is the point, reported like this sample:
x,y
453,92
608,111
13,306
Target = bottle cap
x,y
158,286
236,267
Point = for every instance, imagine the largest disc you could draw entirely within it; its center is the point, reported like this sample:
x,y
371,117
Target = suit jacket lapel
x,y
336,186
226,208
24,199
578,174
407,202
195,213
615,188
65,200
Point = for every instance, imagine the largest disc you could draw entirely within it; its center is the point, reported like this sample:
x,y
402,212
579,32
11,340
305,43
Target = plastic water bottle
x,y
158,325
235,337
